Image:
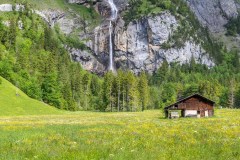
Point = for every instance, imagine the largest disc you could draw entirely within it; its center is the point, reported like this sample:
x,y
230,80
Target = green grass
x,y
12,104
143,135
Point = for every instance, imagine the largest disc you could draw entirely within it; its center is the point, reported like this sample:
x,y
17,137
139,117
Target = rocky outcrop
x,y
6,8
138,46
214,14
83,1
10,7
121,4
50,16
88,61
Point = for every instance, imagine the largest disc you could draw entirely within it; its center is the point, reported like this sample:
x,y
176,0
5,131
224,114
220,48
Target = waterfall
x,y
114,13
111,68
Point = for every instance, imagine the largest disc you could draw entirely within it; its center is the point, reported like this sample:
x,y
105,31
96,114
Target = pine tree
x,y
237,98
12,34
95,85
108,91
161,74
231,94
132,94
143,90
119,87
23,48
65,85
86,88
76,74
51,91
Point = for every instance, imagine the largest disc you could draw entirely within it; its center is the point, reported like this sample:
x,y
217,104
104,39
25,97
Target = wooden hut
x,y
192,106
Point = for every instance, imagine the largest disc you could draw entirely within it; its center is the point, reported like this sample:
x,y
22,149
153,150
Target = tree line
x,y
220,83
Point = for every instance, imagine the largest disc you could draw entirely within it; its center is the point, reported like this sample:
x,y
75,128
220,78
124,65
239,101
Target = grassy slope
x,y
11,105
143,135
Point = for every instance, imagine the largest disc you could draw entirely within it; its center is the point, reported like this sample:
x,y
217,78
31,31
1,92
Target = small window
x,y
198,112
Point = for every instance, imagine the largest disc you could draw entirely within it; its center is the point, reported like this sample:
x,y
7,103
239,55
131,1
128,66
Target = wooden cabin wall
x,y
197,104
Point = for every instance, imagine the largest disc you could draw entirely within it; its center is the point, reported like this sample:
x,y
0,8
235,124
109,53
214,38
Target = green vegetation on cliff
x,y
233,26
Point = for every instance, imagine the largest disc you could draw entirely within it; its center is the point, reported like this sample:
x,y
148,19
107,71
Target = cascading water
x,y
114,12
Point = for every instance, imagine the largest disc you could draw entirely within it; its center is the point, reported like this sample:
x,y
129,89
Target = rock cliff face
x,y
88,61
139,45
214,14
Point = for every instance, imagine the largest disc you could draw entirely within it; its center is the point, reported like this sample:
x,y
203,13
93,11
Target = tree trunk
x,y
118,99
123,102
111,100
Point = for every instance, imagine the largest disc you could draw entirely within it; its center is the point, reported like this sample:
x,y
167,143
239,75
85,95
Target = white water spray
x,y
114,13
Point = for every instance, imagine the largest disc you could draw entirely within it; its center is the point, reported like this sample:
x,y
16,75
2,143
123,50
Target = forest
x,y
33,58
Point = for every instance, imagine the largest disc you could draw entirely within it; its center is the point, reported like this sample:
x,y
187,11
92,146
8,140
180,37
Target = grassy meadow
x,y
143,135
30,129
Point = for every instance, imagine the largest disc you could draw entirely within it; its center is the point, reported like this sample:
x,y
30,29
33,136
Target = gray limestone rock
x,y
214,13
87,60
138,45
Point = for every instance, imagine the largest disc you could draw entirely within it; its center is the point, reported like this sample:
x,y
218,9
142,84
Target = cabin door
x,y
202,113
206,113
182,113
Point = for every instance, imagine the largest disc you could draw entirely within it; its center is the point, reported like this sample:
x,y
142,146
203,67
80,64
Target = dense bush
x,y
233,26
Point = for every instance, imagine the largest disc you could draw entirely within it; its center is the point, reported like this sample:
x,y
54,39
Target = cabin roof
x,y
194,95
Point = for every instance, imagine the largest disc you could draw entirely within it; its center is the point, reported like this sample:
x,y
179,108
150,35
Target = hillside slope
x,y
14,102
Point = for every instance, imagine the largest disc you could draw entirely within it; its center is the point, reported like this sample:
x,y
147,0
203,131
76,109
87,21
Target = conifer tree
x,y
12,34
108,91
51,91
86,88
76,79
119,87
231,94
143,90
133,93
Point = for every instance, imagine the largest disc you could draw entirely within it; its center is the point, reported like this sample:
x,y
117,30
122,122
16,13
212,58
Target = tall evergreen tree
x,y
108,91
143,90
133,93
51,91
